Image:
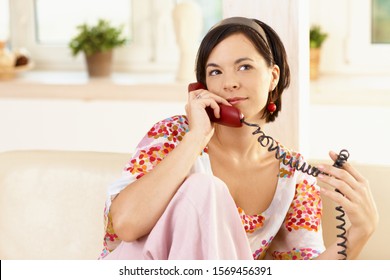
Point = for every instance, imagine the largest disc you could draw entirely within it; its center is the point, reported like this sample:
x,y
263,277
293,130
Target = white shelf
x,y
77,85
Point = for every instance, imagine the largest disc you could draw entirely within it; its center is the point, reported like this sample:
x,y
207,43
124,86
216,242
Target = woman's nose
x,y
231,83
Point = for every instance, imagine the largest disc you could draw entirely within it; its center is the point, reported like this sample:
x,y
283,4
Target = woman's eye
x,y
214,72
245,67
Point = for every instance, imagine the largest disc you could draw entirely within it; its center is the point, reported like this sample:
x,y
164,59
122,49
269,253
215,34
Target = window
x,y
380,18
351,46
212,13
4,20
51,16
45,27
363,53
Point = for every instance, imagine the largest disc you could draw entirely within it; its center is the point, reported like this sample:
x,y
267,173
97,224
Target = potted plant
x,y
317,37
97,43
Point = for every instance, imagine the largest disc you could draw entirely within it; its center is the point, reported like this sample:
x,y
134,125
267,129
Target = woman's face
x,y
236,71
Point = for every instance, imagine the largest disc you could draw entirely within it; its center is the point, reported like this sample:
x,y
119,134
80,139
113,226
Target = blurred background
x,y
339,52
52,103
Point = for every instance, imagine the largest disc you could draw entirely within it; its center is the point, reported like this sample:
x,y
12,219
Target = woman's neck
x,y
238,142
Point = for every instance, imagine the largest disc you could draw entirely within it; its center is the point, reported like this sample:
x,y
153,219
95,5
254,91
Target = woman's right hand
x,y
199,121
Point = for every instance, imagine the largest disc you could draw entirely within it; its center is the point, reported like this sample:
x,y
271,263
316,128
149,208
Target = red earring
x,y
271,107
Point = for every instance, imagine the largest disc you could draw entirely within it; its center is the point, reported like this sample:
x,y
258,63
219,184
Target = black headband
x,y
247,22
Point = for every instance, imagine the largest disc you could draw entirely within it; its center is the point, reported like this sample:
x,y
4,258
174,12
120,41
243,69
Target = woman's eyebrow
x,y
212,65
238,61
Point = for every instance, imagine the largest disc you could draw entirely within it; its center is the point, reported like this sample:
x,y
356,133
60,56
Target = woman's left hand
x,y
355,198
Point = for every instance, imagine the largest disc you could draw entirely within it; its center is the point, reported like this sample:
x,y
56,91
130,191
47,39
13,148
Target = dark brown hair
x,y
271,48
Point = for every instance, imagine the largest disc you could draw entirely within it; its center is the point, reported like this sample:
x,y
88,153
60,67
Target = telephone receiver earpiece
x,y
230,116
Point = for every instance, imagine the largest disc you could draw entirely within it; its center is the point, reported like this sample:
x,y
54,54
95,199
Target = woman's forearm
x,y
138,207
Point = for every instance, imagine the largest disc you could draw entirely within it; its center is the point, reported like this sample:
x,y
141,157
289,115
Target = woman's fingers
x,y
205,99
202,94
348,167
354,194
336,176
342,186
345,179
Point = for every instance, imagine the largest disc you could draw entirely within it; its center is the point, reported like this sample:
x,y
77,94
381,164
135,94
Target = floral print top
x,y
290,228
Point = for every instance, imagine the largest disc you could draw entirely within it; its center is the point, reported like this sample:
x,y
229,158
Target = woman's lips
x,y
236,100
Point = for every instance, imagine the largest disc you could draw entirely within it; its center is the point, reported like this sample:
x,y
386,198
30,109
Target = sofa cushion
x,y
52,202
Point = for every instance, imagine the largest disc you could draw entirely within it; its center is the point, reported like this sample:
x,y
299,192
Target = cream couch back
x,y
52,202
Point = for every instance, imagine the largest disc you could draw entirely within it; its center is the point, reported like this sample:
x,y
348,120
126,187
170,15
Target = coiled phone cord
x,y
272,145
341,159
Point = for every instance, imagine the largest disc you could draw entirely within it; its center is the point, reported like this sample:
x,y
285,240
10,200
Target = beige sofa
x,y
51,204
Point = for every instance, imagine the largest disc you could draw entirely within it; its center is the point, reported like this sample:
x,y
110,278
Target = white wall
x,y
101,115
362,130
114,126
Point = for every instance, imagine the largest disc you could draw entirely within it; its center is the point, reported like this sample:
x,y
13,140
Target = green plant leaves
x,y
317,37
98,38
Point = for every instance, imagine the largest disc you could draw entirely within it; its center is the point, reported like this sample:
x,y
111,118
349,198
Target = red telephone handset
x,y
230,116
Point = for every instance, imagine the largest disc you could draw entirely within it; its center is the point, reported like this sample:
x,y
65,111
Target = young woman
x,y
195,189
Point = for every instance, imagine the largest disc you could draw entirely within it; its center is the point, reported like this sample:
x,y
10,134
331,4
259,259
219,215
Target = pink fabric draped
x,y
200,222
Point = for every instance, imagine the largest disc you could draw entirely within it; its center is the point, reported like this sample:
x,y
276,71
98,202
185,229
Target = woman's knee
x,y
200,183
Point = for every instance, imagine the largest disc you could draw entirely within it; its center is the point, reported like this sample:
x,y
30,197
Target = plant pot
x,y
314,63
99,64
